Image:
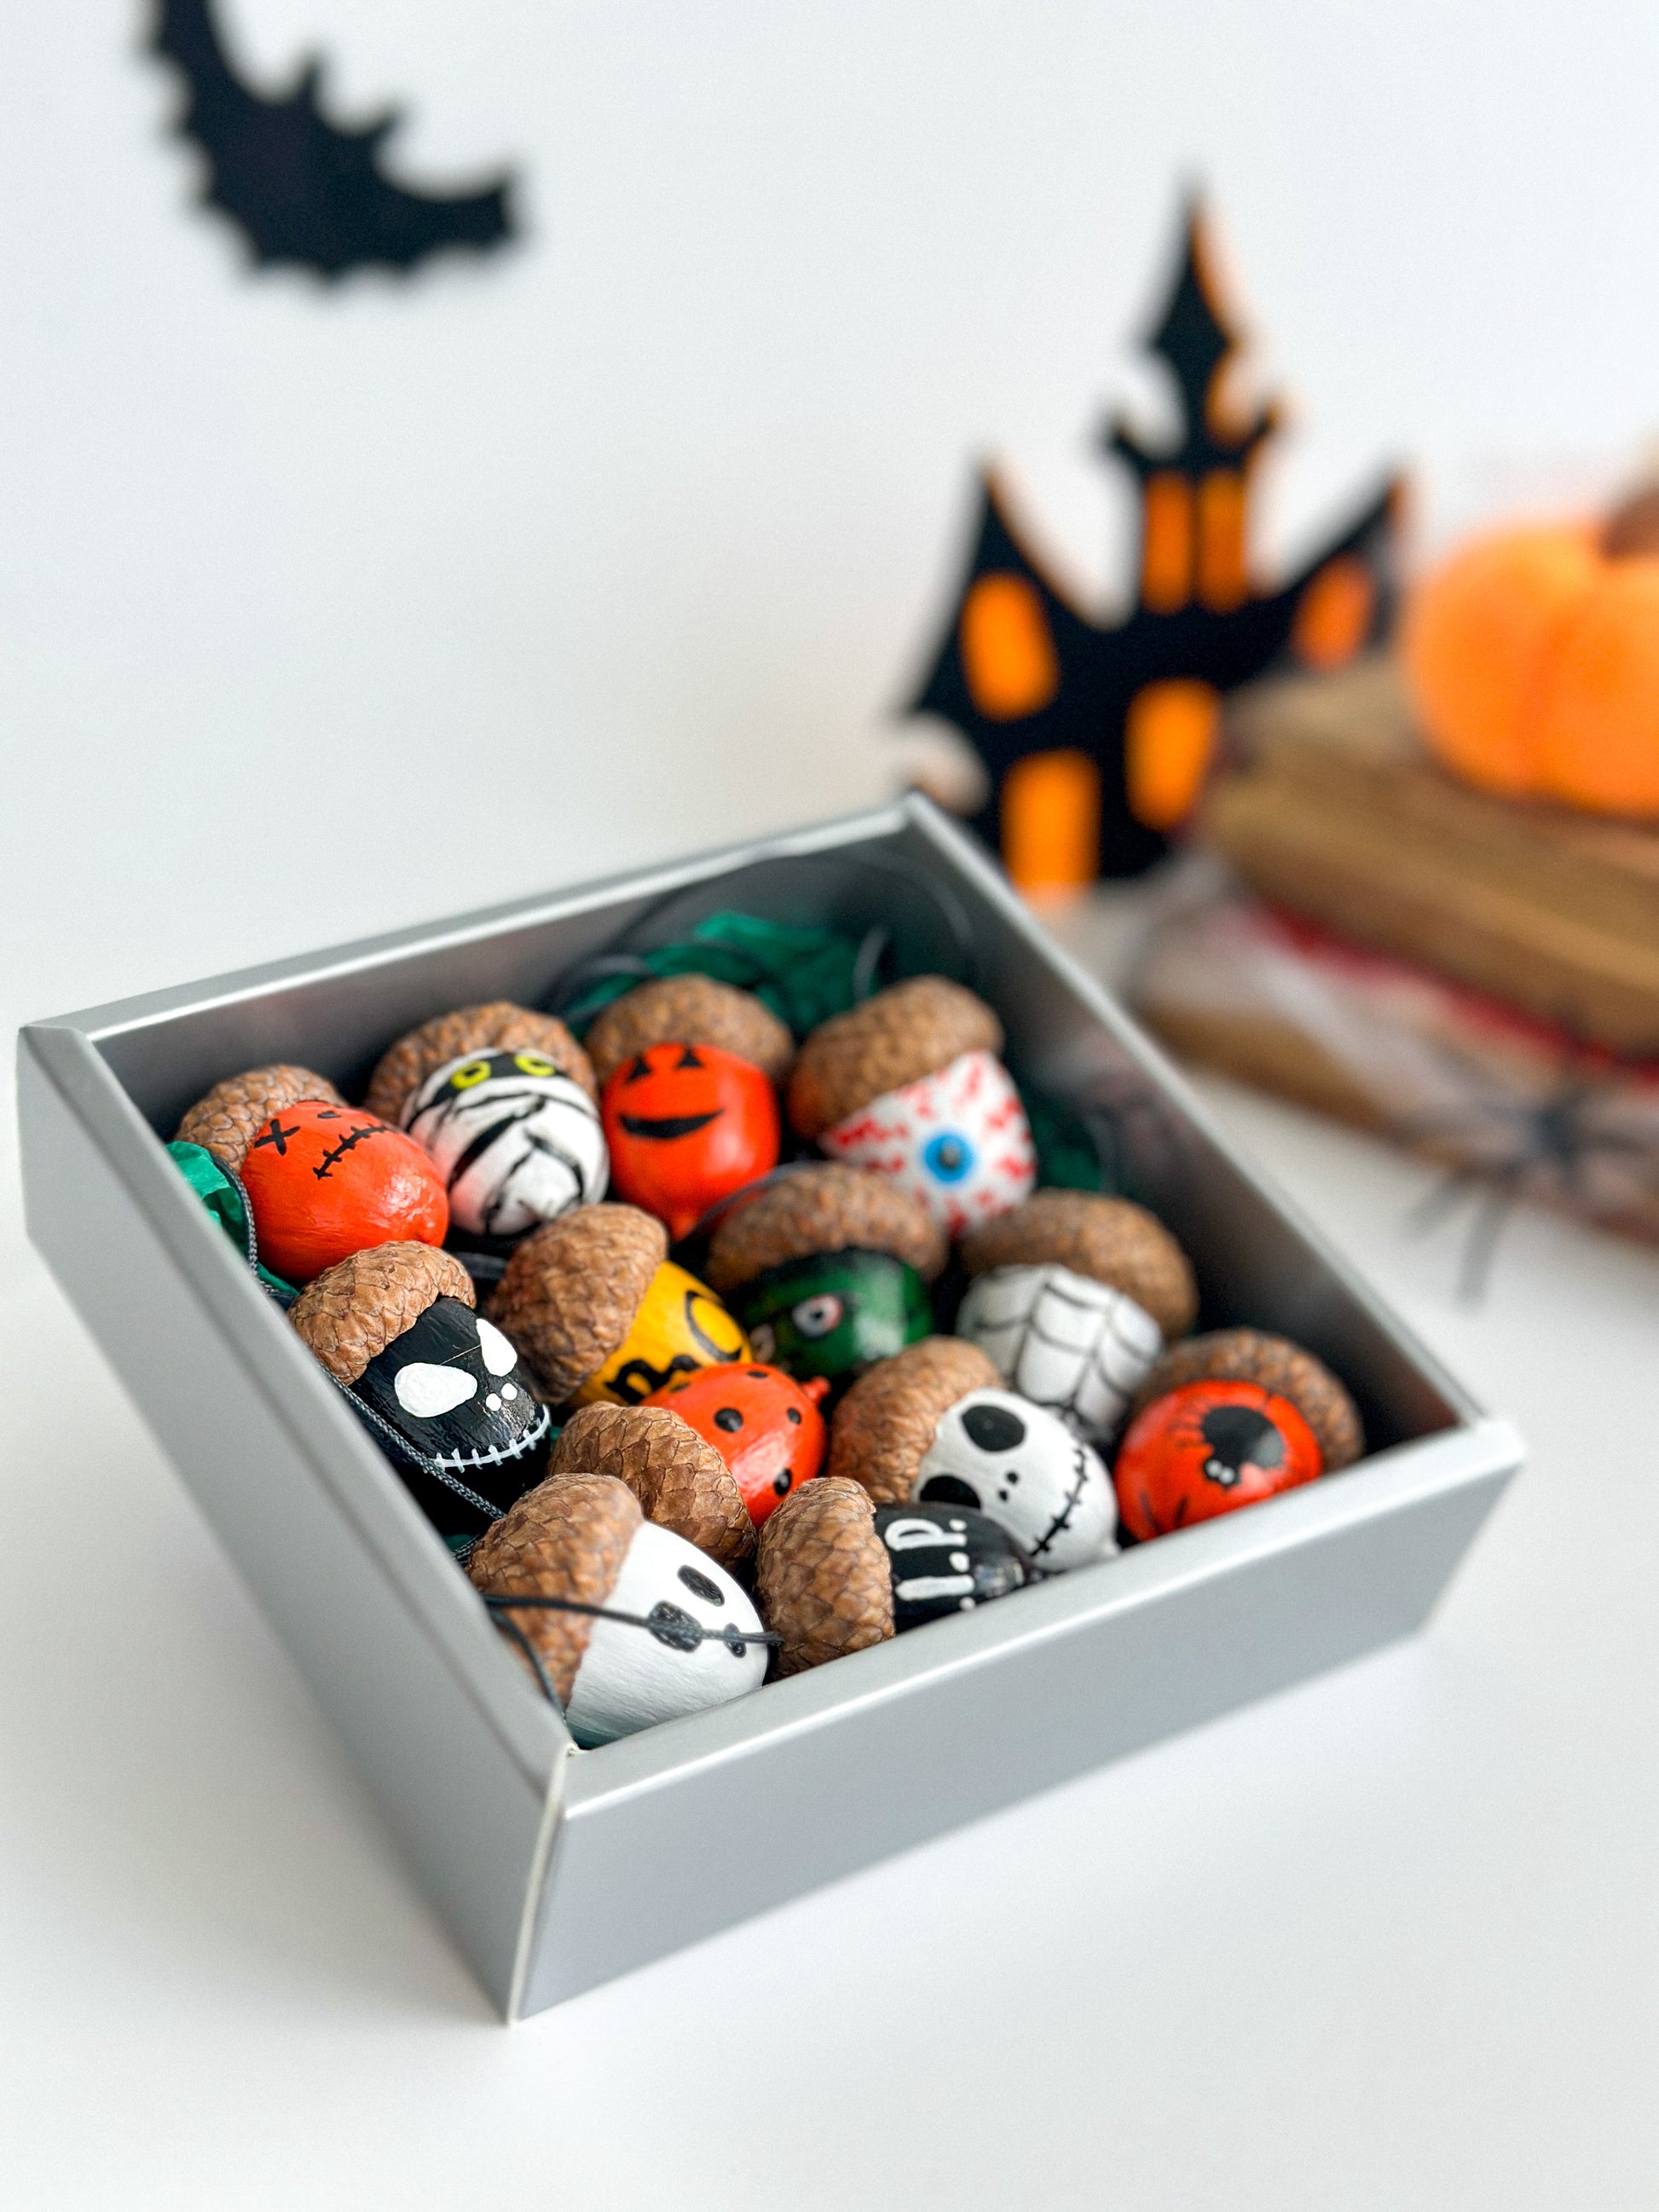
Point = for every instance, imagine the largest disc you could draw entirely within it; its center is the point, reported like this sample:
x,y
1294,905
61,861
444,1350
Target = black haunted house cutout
x,y
1096,735
302,190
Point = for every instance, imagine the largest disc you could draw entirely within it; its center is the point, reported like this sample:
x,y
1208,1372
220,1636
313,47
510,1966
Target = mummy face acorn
x,y
516,1141
1003,1456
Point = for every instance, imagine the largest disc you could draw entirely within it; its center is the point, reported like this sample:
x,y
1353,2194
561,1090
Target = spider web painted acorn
x,y
909,1084
583,1538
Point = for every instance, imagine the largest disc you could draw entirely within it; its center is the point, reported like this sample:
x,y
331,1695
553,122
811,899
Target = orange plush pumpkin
x,y
1532,657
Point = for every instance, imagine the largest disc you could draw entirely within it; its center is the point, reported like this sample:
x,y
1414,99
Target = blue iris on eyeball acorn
x,y
948,1156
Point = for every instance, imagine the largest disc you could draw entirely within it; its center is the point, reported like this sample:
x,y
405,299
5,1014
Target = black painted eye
x,y
671,1626
949,1489
793,1413
729,1419
994,1428
781,1483
639,1071
688,1058
700,1586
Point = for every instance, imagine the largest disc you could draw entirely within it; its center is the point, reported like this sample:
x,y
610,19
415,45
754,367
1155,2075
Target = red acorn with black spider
x,y
689,1068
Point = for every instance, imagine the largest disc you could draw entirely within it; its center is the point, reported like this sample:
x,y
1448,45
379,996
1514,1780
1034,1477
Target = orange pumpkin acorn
x,y
1532,656
764,1424
325,1181
686,1125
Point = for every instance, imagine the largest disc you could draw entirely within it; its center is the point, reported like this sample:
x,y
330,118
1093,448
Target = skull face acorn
x,y
765,1425
1074,1295
503,1100
908,1084
670,1633
688,1066
836,1574
931,1426
440,1387
826,1266
1207,1448
323,1179
600,1313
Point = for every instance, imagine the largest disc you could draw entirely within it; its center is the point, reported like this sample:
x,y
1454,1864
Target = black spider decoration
x,y
302,190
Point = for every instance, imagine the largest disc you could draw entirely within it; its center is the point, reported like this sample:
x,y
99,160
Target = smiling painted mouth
x,y
463,1462
666,1127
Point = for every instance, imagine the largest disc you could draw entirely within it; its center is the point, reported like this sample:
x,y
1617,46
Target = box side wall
x,y
466,1814
880,1776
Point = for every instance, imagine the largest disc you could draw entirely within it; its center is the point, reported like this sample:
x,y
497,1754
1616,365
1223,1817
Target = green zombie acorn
x,y
827,1268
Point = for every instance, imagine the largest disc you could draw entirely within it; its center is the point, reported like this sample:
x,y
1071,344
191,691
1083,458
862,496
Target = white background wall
x,y
322,610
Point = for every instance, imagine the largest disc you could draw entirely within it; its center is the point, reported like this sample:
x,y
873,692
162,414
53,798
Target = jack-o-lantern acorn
x,y
600,1311
765,1427
1074,1295
837,1573
909,1084
433,1380
655,1630
504,1101
687,1067
933,1425
323,1179
827,1267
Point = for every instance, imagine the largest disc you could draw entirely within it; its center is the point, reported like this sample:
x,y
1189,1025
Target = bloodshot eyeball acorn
x,y
765,1427
680,1479
323,1179
690,1114
827,1267
599,1312
931,1425
1209,1448
837,1573
438,1385
504,1101
1074,1295
664,1629
909,1084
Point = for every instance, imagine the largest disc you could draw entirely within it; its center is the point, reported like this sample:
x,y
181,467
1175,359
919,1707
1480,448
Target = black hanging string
x,y
668,1625
427,1461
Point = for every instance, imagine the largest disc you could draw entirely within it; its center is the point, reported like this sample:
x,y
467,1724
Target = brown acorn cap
x,y
1632,528
1110,1239
566,1537
826,1208
823,1582
499,1027
887,1420
1251,1355
354,1309
233,1112
681,1482
911,1029
689,1009
572,1288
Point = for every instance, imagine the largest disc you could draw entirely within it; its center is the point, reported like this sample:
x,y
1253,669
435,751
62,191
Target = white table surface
x,y
1391,1940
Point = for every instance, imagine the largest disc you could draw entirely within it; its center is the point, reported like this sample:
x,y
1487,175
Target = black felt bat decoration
x,y
301,189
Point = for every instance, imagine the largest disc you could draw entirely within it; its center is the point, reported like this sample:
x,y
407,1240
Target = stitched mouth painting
x,y
302,190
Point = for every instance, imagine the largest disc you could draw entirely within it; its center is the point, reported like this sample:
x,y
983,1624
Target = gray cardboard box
x,y
555,1868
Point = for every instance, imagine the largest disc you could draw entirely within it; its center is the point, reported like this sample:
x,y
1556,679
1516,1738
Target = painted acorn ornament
x,y
688,1066
1209,1448
828,1267
909,1085
766,1427
504,1102
1072,1296
836,1574
656,1629
1253,1355
599,1312
932,1424
681,1481
440,1387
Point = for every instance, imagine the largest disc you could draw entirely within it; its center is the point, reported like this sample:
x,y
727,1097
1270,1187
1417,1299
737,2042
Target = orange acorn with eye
x,y
764,1424
687,1124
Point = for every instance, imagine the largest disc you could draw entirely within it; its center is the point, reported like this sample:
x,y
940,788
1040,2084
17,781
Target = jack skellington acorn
x,y
600,1311
440,1387
1074,1295
504,1101
688,1066
655,1629
909,1084
323,1179
932,1424
837,1573
826,1266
